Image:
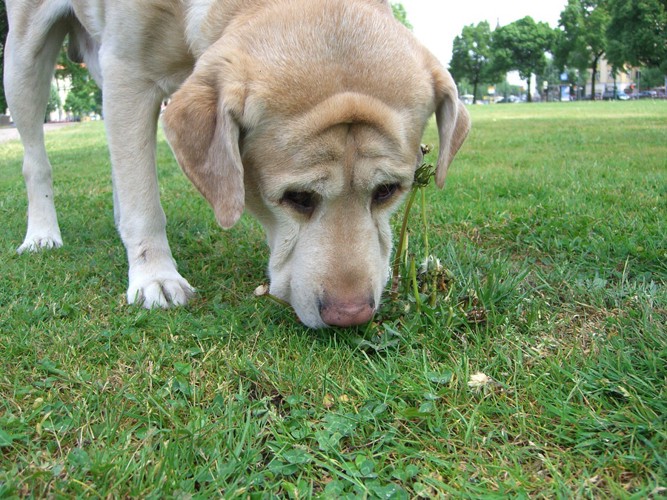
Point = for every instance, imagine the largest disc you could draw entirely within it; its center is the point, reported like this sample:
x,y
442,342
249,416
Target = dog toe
x,y
161,293
37,243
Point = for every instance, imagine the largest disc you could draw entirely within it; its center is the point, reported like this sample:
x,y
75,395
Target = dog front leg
x,y
131,107
29,60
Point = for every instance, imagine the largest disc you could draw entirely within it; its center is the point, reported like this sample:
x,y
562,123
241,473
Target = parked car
x,y
508,100
647,94
610,95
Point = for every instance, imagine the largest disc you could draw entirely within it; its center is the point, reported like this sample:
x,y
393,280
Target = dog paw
x,y
43,242
160,291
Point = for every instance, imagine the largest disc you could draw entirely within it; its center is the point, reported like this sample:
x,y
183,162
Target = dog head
x,y
315,126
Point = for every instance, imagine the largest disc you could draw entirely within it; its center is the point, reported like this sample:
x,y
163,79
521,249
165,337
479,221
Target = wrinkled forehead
x,y
357,154
348,139
345,144
341,159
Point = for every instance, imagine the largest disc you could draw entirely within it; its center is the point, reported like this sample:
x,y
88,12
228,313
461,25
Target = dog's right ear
x,y
204,136
452,119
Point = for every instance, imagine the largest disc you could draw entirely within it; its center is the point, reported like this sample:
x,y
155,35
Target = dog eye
x,y
385,192
302,201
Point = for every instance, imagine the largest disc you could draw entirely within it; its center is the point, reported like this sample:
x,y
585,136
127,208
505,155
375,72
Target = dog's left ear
x,y
204,136
452,119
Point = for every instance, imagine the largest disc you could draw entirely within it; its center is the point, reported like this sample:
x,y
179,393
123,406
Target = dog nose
x,y
347,313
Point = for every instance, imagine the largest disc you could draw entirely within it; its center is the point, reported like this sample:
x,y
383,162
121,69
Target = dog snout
x,y
347,312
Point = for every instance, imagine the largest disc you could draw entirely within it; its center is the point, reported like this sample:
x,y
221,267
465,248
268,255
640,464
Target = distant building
x,y
606,81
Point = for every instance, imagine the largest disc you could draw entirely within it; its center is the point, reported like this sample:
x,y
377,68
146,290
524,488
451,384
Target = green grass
x,y
553,229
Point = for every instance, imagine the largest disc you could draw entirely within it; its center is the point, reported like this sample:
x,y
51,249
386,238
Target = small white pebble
x,y
479,380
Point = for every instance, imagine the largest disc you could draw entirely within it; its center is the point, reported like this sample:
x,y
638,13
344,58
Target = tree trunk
x,y
474,92
530,97
594,69
583,93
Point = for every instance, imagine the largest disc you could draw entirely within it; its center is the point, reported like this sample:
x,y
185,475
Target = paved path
x,y
10,133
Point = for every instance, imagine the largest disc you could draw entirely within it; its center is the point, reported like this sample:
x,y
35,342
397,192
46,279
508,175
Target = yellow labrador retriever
x,y
307,112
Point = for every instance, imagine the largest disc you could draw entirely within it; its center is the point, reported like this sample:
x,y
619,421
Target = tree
x,y
583,37
506,90
472,57
522,46
84,97
653,77
549,80
637,33
401,14
53,103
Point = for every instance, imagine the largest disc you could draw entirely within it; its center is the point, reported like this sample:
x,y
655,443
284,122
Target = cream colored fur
x,y
309,113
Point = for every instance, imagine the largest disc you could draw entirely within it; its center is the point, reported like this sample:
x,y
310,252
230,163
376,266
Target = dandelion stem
x,y
423,176
415,286
401,243
424,222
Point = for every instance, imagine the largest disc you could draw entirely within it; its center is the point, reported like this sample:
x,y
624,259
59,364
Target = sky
x,y
437,22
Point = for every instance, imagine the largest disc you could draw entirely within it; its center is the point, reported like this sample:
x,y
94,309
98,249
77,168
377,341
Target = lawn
x,y
552,230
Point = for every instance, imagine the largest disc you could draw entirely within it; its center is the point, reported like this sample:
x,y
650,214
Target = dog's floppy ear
x,y
452,119
204,136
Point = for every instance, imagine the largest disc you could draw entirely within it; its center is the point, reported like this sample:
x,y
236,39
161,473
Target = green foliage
x,y
54,102
652,77
522,46
401,14
553,225
582,40
505,89
85,96
637,32
472,57
623,31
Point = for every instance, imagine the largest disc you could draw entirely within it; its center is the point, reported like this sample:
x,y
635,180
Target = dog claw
x,y
162,294
39,243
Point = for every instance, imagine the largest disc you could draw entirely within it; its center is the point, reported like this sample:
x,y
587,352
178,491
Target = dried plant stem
x,y
434,291
278,301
